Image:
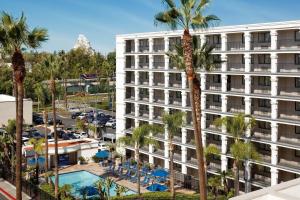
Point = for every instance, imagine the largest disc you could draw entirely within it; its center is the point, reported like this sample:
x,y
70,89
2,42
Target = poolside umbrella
x,y
160,173
89,191
32,161
102,154
157,187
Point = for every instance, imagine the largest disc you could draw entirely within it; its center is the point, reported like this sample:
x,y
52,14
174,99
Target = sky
x,y
101,20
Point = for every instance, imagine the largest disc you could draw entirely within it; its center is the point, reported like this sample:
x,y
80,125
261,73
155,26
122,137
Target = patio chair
x,y
146,181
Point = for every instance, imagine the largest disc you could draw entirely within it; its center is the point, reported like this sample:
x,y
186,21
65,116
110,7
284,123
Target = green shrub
x,y
81,160
157,196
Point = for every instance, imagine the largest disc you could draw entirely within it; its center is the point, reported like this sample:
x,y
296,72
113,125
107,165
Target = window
x,y
264,59
178,95
214,39
297,106
243,59
264,103
264,37
297,129
264,81
217,78
178,77
217,98
297,82
243,38
264,125
243,101
264,147
297,153
297,59
297,35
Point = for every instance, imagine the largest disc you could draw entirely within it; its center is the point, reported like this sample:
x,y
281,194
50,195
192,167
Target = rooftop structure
x,y
84,43
260,76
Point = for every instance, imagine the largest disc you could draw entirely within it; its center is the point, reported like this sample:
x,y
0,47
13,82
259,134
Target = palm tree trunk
x,y
46,144
172,174
55,138
36,169
236,178
137,153
65,94
194,86
18,64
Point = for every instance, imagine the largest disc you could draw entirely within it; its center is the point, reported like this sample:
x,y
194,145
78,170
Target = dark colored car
x,y
75,115
58,121
37,119
60,133
68,136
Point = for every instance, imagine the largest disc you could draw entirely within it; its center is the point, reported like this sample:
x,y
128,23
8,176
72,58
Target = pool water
x,y
82,179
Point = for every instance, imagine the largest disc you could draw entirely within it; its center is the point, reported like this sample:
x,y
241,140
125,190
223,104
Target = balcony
x,y
290,163
175,102
235,46
236,67
234,108
261,67
262,180
159,65
144,114
144,98
236,88
289,91
175,84
213,86
159,152
214,106
214,166
129,46
173,42
261,111
288,44
144,65
130,62
261,133
288,68
261,89
261,45
158,47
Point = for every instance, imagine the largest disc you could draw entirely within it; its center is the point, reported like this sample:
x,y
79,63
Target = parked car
x,y
36,135
60,133
102,146
68,136
81,135
37,119
111,123
75,115
71,130
82,116
58,121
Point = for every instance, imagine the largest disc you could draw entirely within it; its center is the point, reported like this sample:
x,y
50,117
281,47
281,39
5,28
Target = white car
x,y
111,123
81,135
82,116
102,146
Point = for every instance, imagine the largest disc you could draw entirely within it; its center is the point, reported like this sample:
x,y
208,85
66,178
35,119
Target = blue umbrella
x,y
32,161
157,187
160,173
89,191
102,154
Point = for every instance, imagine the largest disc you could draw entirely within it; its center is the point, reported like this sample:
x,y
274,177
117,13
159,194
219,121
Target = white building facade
x,y
260,76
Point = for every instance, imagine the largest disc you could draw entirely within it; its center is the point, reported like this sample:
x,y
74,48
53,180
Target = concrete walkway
x,y
8,191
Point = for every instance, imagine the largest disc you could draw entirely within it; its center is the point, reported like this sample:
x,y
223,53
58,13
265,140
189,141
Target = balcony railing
x,y
215,106
236,108
144,48
235,46
217,47
262,133
158,47
213,86
292,115
235,89
175,84
261,90
239,67
158,83
262,111
175,102
260,46
289,140
144,98
143,65
159,152
130,66
144,81
289,91
288,67
288,44
261,180
289,163
158,100
158,65
261,67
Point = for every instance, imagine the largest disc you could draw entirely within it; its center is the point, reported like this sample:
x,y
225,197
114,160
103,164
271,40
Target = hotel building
x,y
260,76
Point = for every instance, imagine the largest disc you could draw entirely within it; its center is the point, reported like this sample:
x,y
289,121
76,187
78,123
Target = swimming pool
x,y
81,179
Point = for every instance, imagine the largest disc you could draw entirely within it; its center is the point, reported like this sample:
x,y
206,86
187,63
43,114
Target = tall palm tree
x,y
38,148
40,94
190,14
45,116
237,126
52,66
173,123
141,137
15,35
209,152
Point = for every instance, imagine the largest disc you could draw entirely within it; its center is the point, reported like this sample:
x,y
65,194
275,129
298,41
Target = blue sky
x,y
101,20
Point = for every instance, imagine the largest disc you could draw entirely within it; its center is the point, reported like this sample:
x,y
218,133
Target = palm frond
x,y
36,37
169,3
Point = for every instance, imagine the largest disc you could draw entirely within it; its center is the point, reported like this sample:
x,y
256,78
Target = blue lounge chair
x,y
146,181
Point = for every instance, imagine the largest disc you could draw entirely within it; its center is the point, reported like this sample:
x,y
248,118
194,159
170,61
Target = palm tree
x,y
209,152
189,14
14,35
65,191
7,144
237,126
45,116
140,137
39,92
173,123
52,66
120,190
100,187
38,150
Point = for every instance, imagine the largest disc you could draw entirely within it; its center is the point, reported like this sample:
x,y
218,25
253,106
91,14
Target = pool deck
x,y
101,171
